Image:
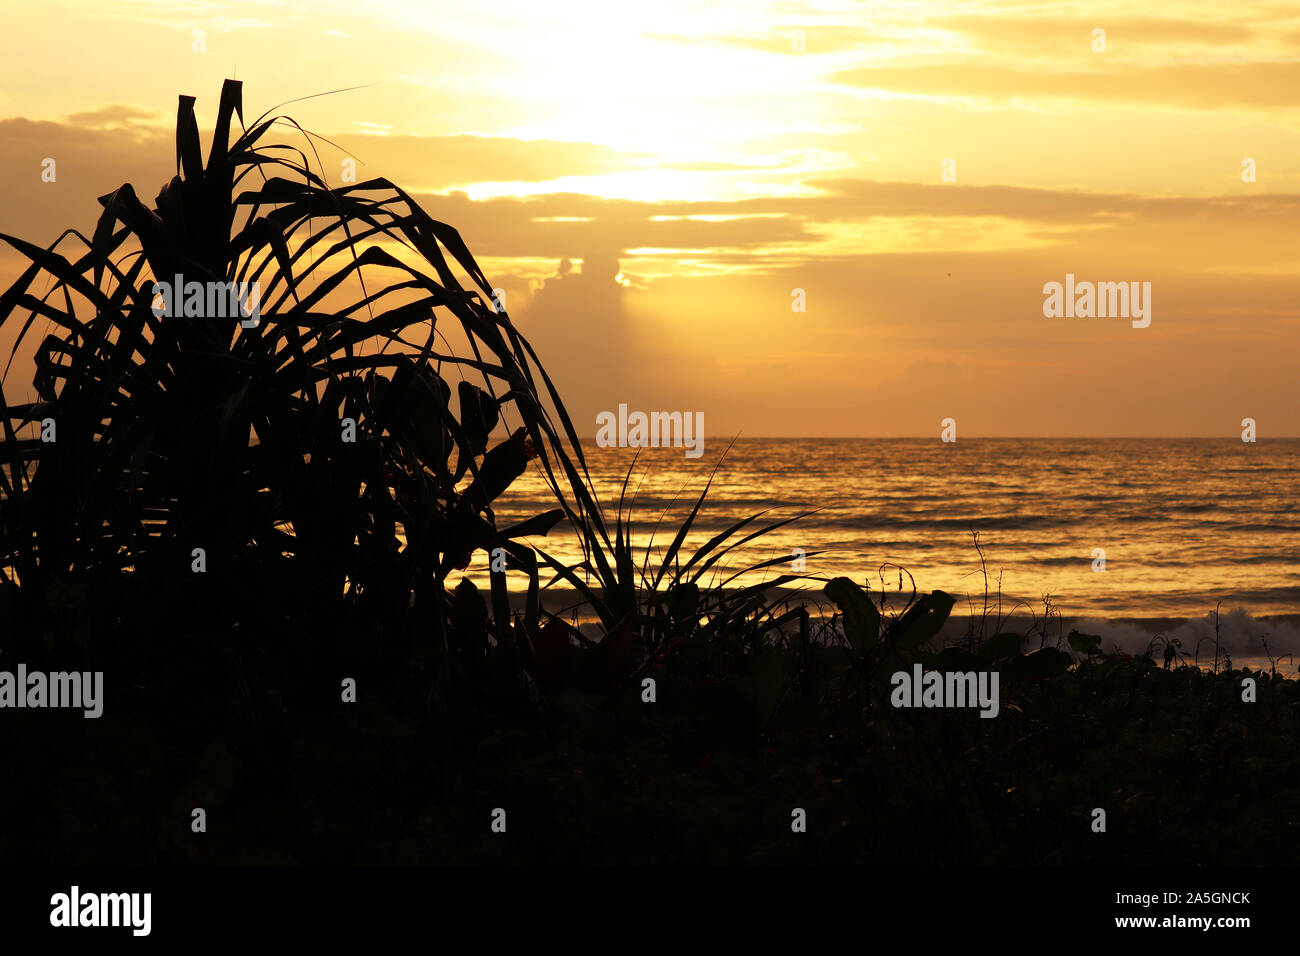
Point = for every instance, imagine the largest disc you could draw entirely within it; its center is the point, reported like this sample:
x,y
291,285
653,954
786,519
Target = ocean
x,y
1180,526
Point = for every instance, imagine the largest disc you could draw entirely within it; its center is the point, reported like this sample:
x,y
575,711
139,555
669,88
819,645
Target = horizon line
x,y
721,438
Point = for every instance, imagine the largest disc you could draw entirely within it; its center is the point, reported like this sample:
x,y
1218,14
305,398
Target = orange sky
x,y
696,162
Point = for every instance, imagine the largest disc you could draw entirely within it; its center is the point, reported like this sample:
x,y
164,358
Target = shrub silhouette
x,y
174,433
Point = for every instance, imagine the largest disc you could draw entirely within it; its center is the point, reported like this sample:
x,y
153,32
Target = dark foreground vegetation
x,y
710,772
326,559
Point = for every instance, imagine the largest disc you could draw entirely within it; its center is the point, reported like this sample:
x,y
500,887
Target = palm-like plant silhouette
x,y
174,434
289,460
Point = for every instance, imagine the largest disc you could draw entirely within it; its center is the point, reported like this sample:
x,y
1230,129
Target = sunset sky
x,y
651,182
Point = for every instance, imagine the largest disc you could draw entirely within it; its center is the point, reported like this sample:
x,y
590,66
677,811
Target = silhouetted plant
x,y
658,606
174,434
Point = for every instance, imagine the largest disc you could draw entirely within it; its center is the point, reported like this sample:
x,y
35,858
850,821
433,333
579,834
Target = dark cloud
x,y
515,227
113,115
445,161
579,324
89,163
1196,85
